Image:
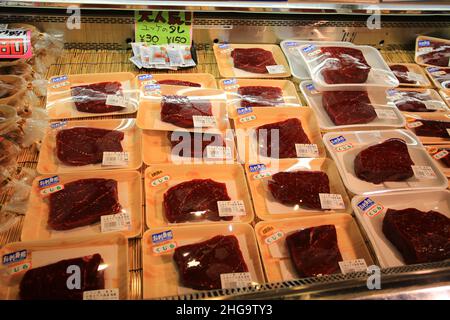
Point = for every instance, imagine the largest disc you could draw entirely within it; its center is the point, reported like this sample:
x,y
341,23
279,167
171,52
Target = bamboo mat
x,y
76,61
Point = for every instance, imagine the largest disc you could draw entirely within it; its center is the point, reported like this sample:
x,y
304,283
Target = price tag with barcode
x,y
115,159
235,280
306,150
231,208
116,222
356,265
331,201
115,100
218,152
441,154
423,172
386,114
103,294
276,69
204,121
414,124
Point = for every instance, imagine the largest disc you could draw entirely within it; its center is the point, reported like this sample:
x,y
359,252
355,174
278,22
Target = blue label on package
x,y
290,44
424,43
162,236
59,79
224,46
257,167
55,125
391,92
432,69
47,182
310,87
14,257
244,110
152,87
365,204
143,77
228,82
309,48
337,140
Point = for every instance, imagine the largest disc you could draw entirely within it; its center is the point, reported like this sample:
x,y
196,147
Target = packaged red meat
x,y
372,162
187,147
347,68
367,109
441,155
309,246
251,61
91,95
410,75
203,80
432,51
84,204
296,188
297,64
430,128
245,94
39,270
76,146
271,133
226,256
406,227
416,100
204,193
171,108
440,77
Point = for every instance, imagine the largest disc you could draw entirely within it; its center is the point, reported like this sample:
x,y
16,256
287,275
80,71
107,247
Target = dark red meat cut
x,y
290,133
91,98
260,96
253,59
195,200
82,145
201,264
413,101
386,161
194,143
50,282
419,236
401,74
299,188
439,56
433,128
179,83
314,251
344,65
348,107
83,202
179,110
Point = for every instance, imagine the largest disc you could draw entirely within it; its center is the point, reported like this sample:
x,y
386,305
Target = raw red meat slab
x,y
92,97
83,202
348,107
195,200
419,236
82,146
179,110
50,282
314,251
439,56
260,96
253,59
386,161
413,101
201,264
400,72
344,65
179,83
433,128
197,143
290,133
299,188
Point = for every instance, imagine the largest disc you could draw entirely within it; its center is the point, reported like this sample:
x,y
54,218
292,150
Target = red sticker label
x,y
15,44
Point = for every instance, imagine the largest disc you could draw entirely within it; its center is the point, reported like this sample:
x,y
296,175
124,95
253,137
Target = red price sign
x,y
15,44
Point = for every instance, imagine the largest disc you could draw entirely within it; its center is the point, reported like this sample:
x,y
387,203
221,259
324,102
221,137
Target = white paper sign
x,y
116,222
331,201
231,208
115,159
235,280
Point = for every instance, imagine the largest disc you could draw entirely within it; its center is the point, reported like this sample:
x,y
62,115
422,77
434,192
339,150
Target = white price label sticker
x,y
218,152
235,280
414,124
164,248
247,118
262,175
276,69
231,208
344,147
356,265
158,181
61,84
204,121
386,114
331,201
423,172
414,76
307,150
434,105
441,154
52,189
103,294
115,100
116,222
115,159
274,237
